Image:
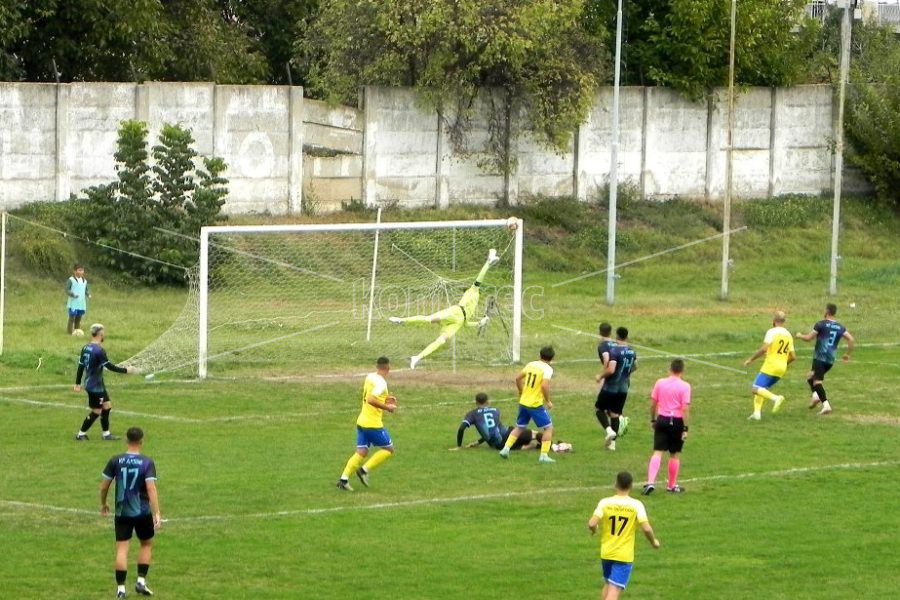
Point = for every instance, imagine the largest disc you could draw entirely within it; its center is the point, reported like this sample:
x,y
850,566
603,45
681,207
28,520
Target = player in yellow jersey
x,y
453,317
778,346
618,517
370,429
533,384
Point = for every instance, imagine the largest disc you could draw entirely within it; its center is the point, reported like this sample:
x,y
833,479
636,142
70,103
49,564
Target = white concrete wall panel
x,y
27,143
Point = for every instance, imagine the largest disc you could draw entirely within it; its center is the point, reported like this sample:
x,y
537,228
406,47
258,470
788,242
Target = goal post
x,y
313,299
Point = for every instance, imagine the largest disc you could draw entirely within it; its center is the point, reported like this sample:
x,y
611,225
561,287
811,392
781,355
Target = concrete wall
x,y
57,140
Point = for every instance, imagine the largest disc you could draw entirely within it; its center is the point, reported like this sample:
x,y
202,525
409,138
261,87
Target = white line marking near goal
x,y
467,498
662,352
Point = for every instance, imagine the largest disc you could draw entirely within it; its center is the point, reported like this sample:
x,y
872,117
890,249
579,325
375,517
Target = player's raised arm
x,y
806,337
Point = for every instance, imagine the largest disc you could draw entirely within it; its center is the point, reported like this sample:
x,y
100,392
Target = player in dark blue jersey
x,y
491,430
828,334
615,381
137,508
606,342
90,367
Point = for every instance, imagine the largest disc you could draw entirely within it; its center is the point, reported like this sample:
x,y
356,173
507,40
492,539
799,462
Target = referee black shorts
x,y
667,434
613,402
142,526
819,369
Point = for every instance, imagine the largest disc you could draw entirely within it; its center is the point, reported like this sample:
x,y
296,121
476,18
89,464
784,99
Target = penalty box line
x,y
264,417
793,471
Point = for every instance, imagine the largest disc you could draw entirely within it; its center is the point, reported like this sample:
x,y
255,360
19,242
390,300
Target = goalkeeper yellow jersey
x,y
370,416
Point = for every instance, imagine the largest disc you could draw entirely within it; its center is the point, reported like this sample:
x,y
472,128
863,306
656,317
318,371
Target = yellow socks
x,y
545,445
510,441
352,465
758,403
432,347
766,394
377,458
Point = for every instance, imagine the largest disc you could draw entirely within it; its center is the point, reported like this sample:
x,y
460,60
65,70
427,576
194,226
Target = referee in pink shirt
x,y
670,404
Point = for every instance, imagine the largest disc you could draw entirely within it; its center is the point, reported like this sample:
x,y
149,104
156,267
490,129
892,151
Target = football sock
x,y
432,347
603,418
88,421
352,465
820,390
480,277
545,446
614,424
674,466
812,387
120,577
512,440
377,458
78,322
826,406
70,326
104,420
758,403
142,571
418,319
765,394
653,468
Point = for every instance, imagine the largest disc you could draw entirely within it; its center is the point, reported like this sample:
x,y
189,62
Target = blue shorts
x,y
539,415
616,573
366,436
765,381
76,312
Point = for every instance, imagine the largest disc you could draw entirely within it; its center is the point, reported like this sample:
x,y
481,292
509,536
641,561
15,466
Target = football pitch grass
x,y
793,506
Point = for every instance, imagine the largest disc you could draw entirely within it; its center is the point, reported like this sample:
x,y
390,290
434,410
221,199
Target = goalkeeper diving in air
x,y
454,317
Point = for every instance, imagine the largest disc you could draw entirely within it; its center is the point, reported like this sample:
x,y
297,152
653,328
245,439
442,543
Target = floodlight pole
x,y
839,146
729,158
613,169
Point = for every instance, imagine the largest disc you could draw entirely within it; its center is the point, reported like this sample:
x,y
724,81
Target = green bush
x,y
154,212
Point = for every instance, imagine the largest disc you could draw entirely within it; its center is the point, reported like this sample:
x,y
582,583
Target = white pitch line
x,y
466,498
663,352
258,417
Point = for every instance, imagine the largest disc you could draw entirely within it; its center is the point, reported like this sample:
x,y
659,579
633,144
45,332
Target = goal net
x,y
300,300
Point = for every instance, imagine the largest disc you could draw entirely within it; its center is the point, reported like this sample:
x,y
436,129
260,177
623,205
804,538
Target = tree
x,y
87,40
531,57
873,109
684,44
273,25
176,194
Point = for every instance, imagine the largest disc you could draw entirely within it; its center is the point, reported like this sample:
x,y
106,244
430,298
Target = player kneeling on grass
x,y
91,363
617,518
533,384
486,420
778,346
454,317
370,429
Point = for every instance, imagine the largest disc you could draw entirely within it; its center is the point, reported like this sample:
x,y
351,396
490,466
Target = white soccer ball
x,y
78,333
512,223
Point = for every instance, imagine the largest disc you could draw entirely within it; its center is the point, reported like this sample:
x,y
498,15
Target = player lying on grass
x,y
486,420
452,318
